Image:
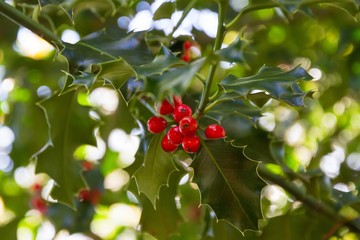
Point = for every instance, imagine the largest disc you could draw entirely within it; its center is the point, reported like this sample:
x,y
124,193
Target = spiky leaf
x,y
155,172
70,126
274,81
229,183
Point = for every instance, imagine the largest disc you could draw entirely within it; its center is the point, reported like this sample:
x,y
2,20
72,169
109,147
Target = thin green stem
x,y
217,45
19,18
307,199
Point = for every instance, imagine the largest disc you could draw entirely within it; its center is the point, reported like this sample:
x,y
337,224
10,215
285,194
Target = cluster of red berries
x,y
184,131
186,56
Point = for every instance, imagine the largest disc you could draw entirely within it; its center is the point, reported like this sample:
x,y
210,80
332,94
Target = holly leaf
x,y
69,127
111,43
278,84
152,218
117,72
164,11
229,183
234,52
164,60
234,107
155,171
85,79
178,79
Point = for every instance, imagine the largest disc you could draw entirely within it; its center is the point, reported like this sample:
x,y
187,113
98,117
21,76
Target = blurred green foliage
x,y
315,147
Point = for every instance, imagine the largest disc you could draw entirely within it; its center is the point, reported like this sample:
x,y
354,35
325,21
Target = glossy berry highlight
x,y
167,145
156,124
166,107
188,126
215,131
181,111
175,136
191,144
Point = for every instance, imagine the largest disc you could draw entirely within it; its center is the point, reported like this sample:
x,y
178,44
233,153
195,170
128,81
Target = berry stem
x,y
217,45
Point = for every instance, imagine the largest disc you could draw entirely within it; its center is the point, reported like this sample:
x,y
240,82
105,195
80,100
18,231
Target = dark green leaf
x,y
83,79
9,230
234,53
164,60
229,183
164,11
164,220
70,126
274,81
116,72
235,107
178,79
155,171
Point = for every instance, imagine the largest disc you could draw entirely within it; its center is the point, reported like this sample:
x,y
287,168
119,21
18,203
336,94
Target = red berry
x,y
187,45
156,124
188,126
215,131
177,100
166,107
175,136
37,187
39,204
84,195
186,57
87,166
191,144
181,111
167,145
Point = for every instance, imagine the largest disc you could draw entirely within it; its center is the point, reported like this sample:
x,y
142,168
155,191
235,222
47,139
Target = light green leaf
x,y
278,84
70,126
229,183
155,172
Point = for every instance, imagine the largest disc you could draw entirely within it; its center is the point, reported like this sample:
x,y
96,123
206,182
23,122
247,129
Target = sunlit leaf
x,y
274,81
70,126
229,183
156,170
